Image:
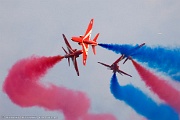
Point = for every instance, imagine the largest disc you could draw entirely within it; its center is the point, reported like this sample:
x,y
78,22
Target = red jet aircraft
x,y
133,52
115,66
73,54
85,41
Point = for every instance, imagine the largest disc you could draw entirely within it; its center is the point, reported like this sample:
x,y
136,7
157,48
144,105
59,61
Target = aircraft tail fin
x,y
94,49
93,46
95,38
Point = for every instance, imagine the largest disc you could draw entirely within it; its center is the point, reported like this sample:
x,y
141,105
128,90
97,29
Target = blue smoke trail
x,y
162,59
141,103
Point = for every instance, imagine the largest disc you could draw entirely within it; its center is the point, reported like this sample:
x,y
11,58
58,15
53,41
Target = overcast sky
x,y
29,27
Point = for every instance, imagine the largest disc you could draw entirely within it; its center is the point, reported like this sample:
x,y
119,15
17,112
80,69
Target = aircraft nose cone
x,y
72,38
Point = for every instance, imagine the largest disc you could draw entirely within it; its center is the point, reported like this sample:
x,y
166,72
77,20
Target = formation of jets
x,y
85,41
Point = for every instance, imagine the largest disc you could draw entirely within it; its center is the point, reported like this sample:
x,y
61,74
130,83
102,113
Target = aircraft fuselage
x,y
80,40
76,54
77,39
114,67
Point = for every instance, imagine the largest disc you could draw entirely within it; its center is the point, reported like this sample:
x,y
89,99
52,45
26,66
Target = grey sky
x,y
30,27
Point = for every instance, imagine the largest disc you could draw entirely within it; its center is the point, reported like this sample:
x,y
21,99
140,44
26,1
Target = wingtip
x,y
64,36
92,20
142,44
84,62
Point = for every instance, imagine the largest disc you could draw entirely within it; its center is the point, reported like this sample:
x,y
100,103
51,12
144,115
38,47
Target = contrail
x,y
163,59
159,86
141,103
23,87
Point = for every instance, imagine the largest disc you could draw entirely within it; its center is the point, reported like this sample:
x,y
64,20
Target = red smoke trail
x,y
158,85
23,87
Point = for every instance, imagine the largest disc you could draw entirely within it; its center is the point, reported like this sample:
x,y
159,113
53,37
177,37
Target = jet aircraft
x,y
133,52
114,67
85,41
73,54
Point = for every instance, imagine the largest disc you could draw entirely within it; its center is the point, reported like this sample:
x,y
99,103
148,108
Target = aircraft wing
x,y
104,64
84,58
119,59
87,34
141,45
85,52
122,72
75,65
66,54
67,44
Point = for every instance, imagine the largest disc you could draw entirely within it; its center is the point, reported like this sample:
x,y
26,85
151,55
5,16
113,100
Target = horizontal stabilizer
x,y
93,46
